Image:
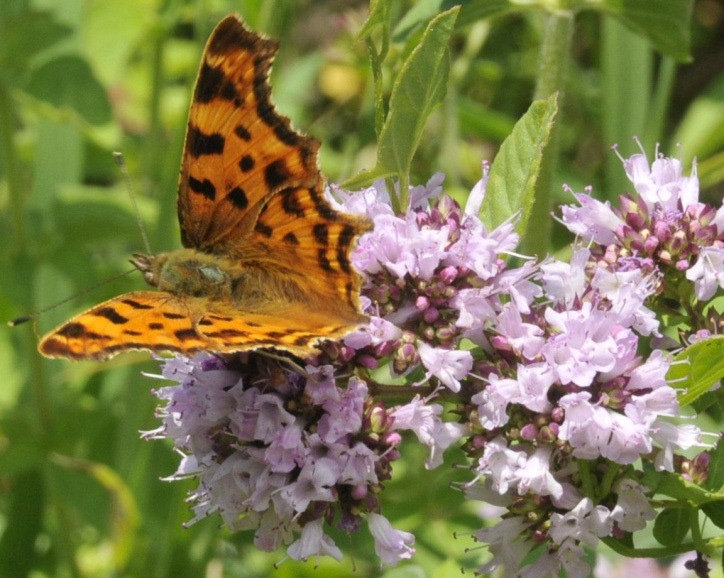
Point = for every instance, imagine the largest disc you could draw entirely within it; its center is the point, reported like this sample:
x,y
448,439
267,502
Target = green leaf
x,y
666,23
675,486
715,512
24,36
699,367
419,86
671,526
715,479
511,186
57,82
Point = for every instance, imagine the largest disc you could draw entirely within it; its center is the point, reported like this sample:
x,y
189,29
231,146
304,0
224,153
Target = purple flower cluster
x,y
556,397
281,452
544,358
664,228
434,276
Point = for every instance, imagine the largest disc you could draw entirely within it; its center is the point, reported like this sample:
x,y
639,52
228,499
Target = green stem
x,y
376,65
696,536
404,182
666,552
588,484
376,59
552,70
607,482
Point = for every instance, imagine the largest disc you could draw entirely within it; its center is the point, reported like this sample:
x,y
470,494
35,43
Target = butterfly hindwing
x,y
302,227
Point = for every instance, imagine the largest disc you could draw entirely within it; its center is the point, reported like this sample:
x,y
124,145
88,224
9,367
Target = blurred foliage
x,y
80,494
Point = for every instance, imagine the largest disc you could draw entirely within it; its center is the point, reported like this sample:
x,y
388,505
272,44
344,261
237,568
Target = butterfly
x,y
266,258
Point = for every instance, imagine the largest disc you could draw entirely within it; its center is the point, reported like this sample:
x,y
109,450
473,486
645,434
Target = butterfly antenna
x,y
25,318
121,162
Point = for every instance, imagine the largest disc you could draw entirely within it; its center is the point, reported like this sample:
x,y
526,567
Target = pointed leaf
x,y
24,36
700,367
715,512
671,526
419,86
57,82
513,176
715,479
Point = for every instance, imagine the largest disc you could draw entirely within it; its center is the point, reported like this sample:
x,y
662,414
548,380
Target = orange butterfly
x,y
266,263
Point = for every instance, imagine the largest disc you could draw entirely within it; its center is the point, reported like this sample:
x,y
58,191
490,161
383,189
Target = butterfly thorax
x,y
187,272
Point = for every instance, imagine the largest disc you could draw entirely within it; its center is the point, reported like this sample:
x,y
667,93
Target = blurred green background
x,y
80,493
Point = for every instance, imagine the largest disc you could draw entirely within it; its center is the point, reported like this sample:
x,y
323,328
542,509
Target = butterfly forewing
x,y
238,149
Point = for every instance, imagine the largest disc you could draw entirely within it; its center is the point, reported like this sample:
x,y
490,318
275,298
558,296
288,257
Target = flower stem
x,y
552,70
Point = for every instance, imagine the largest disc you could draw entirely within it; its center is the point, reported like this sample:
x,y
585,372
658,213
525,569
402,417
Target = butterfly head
x,y
148,265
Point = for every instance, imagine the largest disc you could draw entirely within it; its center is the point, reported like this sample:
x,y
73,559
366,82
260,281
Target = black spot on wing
x,y
263,229
324,261
343,243
72,330
322,206
290,239
135,304
155,326
202,144
238,198
321,234
303,339
227,333
184,334
246,163
132,333
112,315
276,173
205,188
276,334
220,317
242,133
290,203
213,83
173,315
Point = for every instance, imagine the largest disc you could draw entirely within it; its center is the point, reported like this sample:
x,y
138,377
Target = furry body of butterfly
x,y
266,262
254,285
